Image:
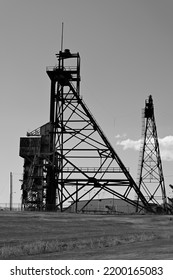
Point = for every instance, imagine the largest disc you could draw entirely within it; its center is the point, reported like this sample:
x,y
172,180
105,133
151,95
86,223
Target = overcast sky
x,y
126,55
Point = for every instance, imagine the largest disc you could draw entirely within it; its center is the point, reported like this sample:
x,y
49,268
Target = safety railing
x,y
66,68
94,169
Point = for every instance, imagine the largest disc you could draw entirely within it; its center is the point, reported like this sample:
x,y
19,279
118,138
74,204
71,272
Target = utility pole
x,y
11,191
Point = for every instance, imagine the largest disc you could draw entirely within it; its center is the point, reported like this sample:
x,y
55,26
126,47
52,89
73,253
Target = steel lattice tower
x,y
150,174
69,158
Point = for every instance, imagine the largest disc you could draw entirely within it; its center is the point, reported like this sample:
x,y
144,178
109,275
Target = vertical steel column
x,y
51,184
76,197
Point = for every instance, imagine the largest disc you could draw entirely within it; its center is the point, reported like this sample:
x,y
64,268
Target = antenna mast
x,y
62,33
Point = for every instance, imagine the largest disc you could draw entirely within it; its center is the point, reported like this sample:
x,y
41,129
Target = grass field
x,y
41,235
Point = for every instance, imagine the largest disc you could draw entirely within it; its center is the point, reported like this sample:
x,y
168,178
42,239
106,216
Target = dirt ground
x,y
18,228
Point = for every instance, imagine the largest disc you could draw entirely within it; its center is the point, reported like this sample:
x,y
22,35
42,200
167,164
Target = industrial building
x,y
69,160
105,206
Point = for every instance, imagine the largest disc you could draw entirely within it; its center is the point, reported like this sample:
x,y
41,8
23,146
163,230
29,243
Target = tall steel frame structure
x,y
69,158
150,173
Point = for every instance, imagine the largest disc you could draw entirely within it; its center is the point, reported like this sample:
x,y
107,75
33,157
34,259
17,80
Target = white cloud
x,y
118,136
166,148
165,144
121,136
130,144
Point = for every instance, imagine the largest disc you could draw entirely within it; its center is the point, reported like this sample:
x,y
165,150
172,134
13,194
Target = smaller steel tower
x,y
150,174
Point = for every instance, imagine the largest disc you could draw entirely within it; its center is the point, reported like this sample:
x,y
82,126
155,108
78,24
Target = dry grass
x,y
33,234
49,246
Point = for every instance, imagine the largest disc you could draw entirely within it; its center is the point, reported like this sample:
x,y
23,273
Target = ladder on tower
x,y
141,147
